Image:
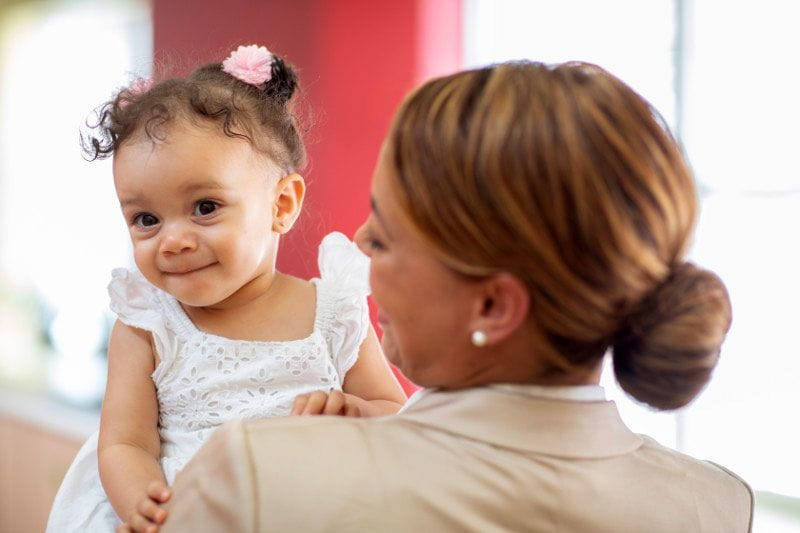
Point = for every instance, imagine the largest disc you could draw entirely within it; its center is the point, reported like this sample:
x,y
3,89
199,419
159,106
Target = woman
x,y
526,220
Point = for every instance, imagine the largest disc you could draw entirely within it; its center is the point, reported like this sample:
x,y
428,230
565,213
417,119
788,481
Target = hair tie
x,y
251,64
631,326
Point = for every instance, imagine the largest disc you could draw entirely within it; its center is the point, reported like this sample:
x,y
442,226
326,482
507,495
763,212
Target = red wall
x,y
356,60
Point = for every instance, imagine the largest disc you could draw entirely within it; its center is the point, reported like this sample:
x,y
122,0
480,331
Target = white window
x,y
58,236
724,75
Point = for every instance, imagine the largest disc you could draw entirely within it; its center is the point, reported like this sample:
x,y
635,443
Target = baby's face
x,y
199,208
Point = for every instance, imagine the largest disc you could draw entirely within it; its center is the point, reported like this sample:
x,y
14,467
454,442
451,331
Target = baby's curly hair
x,y
262,115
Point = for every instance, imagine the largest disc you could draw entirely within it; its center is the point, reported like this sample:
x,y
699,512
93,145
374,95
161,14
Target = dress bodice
x,y
204,380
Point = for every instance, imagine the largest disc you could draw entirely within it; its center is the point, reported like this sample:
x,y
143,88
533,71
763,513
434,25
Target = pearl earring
x,y
479,338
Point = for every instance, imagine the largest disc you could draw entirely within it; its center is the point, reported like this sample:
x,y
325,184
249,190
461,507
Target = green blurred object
x,y
24,341
776,513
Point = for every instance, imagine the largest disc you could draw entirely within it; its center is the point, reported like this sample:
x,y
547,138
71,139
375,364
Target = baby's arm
x,y
129,445
370,388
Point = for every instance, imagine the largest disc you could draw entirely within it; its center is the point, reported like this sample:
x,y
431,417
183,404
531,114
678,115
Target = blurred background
x,y
722,73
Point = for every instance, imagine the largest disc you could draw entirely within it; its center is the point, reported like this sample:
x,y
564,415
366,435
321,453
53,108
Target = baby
x,y
208,330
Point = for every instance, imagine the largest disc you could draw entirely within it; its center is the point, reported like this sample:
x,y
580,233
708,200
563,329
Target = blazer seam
x,y
617,453
248,451
746,486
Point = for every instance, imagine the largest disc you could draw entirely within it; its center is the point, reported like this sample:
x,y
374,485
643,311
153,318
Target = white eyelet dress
x,y
204,380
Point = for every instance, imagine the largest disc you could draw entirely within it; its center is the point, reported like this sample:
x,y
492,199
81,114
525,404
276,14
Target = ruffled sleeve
x,y
343,313
136,303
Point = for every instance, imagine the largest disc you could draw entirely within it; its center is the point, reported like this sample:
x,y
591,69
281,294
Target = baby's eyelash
x,y
198,211
144,220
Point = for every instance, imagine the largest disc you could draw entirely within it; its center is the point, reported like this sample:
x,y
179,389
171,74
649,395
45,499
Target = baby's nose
x,y
176,240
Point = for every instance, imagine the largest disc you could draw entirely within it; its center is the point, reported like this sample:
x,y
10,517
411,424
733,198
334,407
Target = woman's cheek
x,y
389,347
375,277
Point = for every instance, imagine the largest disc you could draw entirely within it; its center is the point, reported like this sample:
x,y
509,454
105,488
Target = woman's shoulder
x,y
722,487
679,460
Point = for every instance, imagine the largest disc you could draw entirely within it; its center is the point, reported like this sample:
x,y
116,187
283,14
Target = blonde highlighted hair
x,y
565,177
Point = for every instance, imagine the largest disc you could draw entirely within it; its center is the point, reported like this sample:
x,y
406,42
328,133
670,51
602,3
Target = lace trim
x,y
133,300
136,304
344,321
345,284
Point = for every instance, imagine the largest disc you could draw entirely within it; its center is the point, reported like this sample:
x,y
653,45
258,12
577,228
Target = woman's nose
x,y
360,239
177,239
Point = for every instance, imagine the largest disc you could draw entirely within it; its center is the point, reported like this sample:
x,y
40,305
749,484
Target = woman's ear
x,y
503,307
289,193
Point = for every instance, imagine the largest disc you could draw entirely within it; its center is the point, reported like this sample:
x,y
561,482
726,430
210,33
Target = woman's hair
x,y
565,177
262,114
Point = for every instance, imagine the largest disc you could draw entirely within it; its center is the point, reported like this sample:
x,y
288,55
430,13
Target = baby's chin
x,y
194,296
201,300
193,290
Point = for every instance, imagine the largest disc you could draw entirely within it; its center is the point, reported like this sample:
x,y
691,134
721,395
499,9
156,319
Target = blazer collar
x,y
562,428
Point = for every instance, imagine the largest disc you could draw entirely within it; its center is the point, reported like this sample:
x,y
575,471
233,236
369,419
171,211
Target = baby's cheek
x,y
241,257
145,262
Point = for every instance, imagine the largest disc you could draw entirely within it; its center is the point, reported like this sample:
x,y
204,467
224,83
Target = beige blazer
x,y
477,460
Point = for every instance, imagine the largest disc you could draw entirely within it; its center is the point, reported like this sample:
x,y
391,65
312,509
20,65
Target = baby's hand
x,y
148,514
327,403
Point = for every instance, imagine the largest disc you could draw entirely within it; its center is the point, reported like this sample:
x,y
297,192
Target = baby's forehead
x,y
159,132
201,138
186,155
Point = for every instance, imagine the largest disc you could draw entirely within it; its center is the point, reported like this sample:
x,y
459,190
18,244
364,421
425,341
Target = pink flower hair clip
x,y
139,86
250,64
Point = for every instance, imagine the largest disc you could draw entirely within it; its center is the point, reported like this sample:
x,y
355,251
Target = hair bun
x,y
667,351
280,87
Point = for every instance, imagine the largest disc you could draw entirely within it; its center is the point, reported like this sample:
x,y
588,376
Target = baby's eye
x,y
145,220
205,208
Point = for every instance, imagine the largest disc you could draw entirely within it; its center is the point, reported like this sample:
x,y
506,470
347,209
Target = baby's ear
x,y
289,193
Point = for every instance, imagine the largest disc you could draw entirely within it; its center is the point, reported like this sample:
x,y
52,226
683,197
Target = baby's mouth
x,y
184,270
